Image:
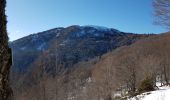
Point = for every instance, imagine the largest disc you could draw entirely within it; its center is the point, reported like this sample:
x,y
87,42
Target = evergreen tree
x,y
5,56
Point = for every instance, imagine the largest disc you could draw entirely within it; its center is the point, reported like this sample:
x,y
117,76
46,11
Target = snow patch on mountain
x,y
101,28
23,48
81,33
58,35
41,47
34,37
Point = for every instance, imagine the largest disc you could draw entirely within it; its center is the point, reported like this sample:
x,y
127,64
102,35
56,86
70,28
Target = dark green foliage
x,y
146,85
5,56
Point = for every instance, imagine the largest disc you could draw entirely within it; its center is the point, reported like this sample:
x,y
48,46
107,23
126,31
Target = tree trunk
x,y
5,56
165,75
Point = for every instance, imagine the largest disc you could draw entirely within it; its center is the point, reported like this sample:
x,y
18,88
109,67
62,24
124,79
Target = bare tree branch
x,y
162,12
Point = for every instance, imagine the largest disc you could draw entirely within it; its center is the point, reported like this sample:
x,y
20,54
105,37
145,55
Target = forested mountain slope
x,y
131,68
57,55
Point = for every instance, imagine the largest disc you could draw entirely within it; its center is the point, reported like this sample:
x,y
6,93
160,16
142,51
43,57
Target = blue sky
x,y
31,16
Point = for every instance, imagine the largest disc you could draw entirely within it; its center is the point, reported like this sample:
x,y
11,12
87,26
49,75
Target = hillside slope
x,y
58,56
123,70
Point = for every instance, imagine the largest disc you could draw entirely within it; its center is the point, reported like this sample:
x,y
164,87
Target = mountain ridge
x,y
40,41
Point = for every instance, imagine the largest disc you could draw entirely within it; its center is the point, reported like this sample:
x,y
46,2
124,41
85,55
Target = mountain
x,y
30,47
61,51
84,42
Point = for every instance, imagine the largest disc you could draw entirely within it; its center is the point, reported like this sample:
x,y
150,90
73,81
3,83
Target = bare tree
x,y
162,12
5,56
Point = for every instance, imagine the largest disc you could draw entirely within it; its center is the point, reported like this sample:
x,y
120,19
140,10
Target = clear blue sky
x,y
32,16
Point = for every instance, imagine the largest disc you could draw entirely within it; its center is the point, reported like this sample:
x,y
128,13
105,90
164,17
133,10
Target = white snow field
x,y
163,93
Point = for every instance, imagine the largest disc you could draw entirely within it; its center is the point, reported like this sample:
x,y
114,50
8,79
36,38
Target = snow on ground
x,y
163,93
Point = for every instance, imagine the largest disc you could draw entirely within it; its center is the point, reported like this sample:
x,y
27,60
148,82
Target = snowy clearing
x,y
163,93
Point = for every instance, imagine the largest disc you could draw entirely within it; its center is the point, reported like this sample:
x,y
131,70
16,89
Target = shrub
x,y
146,85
